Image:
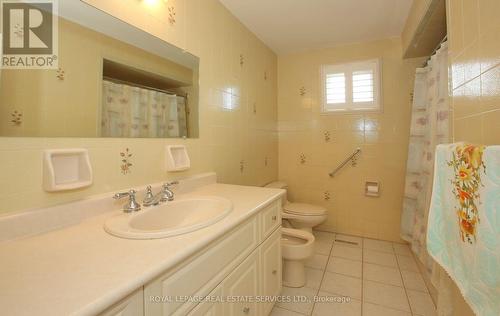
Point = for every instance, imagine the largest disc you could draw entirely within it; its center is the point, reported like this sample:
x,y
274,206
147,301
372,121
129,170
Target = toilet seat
x,y
295,237
304,209
296,244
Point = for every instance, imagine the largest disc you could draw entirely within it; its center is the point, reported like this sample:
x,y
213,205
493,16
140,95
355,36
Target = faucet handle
x,y
169,184
130,193
166,194
132,205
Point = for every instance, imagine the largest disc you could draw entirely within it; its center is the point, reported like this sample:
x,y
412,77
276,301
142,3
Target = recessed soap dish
x,y
177,158
66,169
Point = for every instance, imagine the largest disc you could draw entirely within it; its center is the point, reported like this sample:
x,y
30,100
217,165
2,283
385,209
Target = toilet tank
x,y
279,185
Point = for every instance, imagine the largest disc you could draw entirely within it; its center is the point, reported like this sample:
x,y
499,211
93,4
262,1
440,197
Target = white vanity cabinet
x,y
241,267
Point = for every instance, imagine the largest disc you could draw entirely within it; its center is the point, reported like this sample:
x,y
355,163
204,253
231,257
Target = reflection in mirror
x,y
114,81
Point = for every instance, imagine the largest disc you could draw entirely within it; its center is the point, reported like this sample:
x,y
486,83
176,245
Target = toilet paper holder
x,y
372,188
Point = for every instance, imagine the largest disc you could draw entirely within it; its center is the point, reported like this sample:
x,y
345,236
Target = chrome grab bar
x,y
352,158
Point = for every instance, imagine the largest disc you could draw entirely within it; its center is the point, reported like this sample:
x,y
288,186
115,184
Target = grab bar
x,y
352,158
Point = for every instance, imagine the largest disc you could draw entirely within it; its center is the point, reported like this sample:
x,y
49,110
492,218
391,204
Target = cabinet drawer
x,y
270,218
199,276
270,256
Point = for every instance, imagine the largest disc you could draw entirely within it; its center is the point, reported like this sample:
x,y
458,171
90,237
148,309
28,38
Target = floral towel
x,y
464,222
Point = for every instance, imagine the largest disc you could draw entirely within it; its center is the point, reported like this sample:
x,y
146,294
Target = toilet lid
x,y
304,209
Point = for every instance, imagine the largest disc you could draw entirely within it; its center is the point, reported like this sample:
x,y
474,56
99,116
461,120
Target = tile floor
x,y
381,278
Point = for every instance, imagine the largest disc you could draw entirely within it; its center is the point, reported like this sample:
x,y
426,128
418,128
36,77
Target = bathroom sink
x,y
172,218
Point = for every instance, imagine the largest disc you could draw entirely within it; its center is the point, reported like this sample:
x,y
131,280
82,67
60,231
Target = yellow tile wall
x,y
474,67
311,145
240,143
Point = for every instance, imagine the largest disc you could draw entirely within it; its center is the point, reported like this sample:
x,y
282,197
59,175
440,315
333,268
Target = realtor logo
x,y
29,34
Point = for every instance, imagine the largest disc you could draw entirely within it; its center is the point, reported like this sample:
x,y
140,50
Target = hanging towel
x,y
464,222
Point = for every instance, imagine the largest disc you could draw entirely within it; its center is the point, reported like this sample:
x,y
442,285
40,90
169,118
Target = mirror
x,y
114,80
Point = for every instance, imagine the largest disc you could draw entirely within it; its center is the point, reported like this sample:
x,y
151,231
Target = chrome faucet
x,y
150,199
166,194
132,205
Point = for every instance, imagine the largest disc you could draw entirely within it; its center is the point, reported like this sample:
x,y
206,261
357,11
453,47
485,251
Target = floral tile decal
x,y
326,196
171,15
126,164
302,159
327,136
16,118
60,74
467,162
302,91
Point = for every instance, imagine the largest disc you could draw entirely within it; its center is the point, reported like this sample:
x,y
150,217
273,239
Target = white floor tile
x,y
421,303
378,273
341,285
347,252
277,311
402,249
351,308
378,245
299,306
407,263
385,295
314,277
382,258
317,261
370,309
324,236
414,281
350,241
344,266
323,247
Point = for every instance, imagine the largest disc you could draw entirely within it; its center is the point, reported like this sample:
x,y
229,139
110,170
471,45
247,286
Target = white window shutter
x,y
363,86
351,87
335,88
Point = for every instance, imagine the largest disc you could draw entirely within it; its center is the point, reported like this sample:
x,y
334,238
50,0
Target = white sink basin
x,y
172,218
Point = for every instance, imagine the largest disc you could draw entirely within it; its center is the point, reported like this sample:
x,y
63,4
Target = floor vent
x,y
346,241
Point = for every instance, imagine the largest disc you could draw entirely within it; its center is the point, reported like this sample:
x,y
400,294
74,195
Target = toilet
x,y
296,246
300,215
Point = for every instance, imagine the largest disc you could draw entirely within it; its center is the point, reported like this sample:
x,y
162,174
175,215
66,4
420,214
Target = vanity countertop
x,y
82,270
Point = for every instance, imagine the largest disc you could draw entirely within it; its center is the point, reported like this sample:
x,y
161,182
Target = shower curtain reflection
x,y
129,111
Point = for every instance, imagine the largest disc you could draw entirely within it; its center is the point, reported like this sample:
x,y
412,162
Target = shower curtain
x,y
430,126
129,111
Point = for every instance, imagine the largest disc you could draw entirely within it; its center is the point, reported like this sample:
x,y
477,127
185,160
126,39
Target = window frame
x,y
348,69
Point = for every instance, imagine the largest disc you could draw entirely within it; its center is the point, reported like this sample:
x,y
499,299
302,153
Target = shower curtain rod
x,y
435,50
144,87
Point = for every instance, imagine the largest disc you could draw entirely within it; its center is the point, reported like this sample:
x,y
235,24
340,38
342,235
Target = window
x,y
351,87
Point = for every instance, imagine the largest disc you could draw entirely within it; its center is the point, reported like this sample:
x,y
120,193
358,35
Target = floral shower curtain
x,y
129,111
430,126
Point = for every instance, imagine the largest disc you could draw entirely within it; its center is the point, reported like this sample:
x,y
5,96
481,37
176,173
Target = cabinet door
x,y
202,274
133,305
271,269
210,308
243,282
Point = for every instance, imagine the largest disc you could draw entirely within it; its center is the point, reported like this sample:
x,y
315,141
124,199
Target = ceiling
x,y
288,26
